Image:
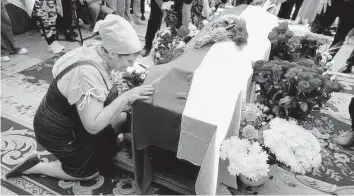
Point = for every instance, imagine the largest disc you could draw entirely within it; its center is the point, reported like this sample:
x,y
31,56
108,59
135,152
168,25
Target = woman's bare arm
x,y
95,117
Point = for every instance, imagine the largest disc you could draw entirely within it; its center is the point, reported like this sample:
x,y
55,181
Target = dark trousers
x,y
8,43
350,60
239,2
142,6
287,7
344,9
351,112
64,23
154,24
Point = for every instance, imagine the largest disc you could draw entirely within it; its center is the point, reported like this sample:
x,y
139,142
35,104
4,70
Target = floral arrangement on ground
x,y
221,28
286,46
264,140
293,89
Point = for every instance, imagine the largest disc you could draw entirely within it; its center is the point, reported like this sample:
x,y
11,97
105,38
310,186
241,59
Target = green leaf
x,y
304,106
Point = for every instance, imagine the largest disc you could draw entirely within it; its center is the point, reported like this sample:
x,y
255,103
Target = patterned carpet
x,y
22,92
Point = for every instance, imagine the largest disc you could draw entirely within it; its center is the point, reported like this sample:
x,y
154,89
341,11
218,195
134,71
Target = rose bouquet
x,y
222,28
293,145
125,81
292,89
286,46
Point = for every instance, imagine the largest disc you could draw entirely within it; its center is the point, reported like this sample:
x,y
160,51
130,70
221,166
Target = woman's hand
x,y
139,93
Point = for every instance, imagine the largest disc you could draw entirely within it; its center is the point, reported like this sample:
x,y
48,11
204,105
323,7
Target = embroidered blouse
x,y
89,81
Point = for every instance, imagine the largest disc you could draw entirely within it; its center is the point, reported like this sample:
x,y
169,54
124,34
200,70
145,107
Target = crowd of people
x,y
81,133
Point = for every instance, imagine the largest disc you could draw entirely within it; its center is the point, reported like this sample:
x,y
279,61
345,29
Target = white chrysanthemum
x,y
192,27
167,5
245,158
130,69
293,145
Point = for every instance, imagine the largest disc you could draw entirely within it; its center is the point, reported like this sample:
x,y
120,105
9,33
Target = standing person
x,y
307,13
45,12
328,11
142,8
347,139
287,7
8,43
75,122
64,23
153,25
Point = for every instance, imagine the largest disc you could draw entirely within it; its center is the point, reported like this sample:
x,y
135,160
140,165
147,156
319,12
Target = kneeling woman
x,y
75,122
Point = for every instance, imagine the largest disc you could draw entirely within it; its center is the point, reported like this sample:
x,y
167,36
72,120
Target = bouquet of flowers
x,y
170,14
125,81
246,154
245,158
222,28
169,43
166,46
268,140
286,46
293,145
292,89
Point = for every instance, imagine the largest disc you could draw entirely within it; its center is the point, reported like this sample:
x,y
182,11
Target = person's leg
x,y
121,8
298,4
8,43
44,12
132,7
54,169
347,139
348,68
345,25
285,9
94,9
324,21
64,24
153,26
142,9
127,10
136,11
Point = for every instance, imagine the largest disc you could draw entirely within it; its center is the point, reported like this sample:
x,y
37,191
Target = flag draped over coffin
x,y
198,98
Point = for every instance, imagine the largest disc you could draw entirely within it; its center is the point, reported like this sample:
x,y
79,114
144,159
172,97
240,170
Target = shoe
x,y
142,17
70,35
22,51
55,48
145,52
346,69
24,166
346,139
5,59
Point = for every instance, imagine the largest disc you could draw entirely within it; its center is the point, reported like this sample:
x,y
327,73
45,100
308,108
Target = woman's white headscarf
x,y
118,35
